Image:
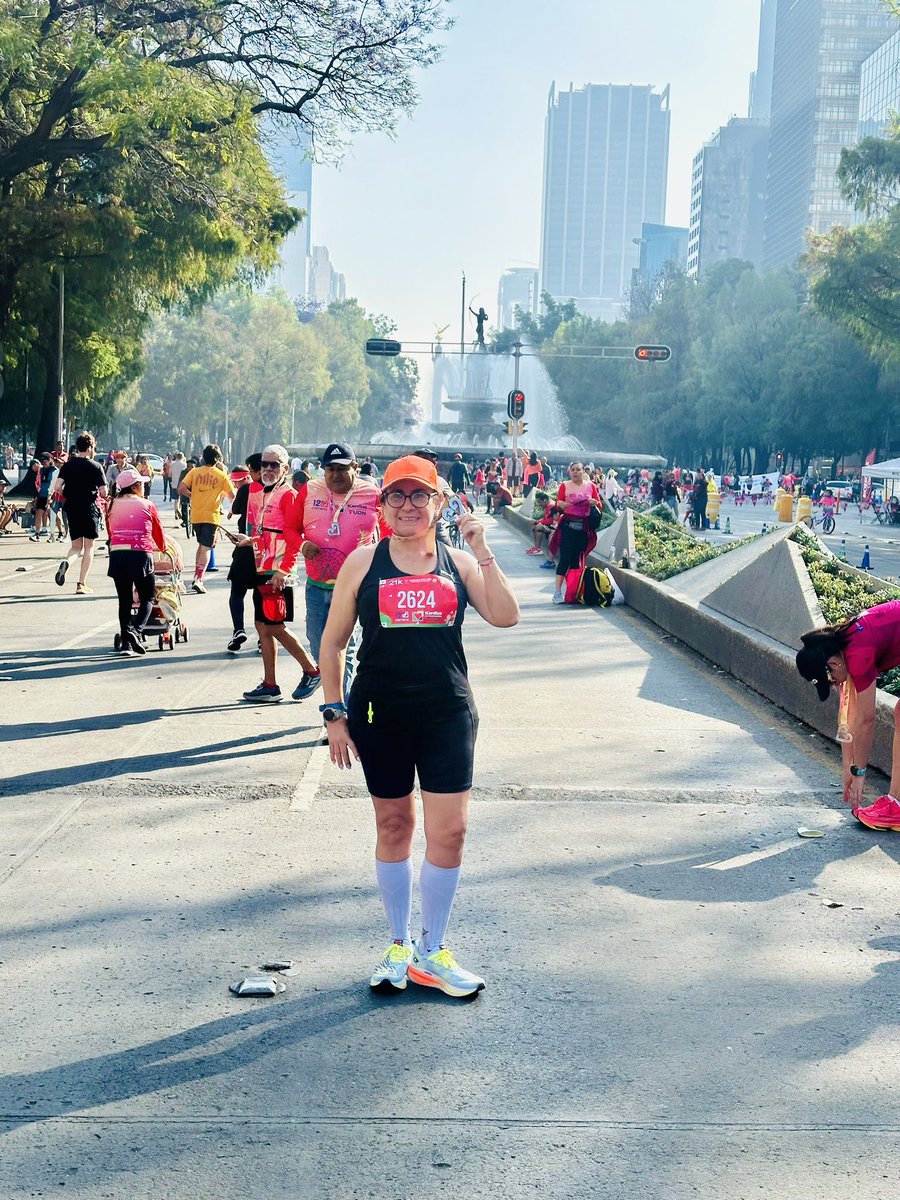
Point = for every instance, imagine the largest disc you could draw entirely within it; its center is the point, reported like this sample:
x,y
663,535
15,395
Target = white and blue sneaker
x,y
390,974
439,969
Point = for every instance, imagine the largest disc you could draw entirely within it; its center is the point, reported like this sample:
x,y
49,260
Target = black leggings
x,y
132,571
572,545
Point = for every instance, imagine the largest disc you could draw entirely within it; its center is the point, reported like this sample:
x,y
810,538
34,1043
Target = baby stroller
x,y
165,616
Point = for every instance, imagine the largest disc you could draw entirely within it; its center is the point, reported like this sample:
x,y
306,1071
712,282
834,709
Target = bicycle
x,y
824,519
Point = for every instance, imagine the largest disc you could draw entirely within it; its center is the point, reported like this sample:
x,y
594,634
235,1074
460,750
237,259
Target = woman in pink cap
x,y
410,710
135,532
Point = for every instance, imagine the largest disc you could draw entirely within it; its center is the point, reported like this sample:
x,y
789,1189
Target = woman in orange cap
x,y
411,710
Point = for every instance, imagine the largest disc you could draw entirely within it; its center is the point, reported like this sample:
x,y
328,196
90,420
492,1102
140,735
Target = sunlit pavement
x,y
852,528
672,1010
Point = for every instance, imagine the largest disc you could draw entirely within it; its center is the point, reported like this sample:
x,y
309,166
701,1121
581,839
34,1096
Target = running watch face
x,y
332,714
417,602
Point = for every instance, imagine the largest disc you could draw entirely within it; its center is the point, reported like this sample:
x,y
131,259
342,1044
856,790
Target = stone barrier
x,y
756,659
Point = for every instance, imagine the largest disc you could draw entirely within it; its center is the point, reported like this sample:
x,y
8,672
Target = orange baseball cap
x,y
419,470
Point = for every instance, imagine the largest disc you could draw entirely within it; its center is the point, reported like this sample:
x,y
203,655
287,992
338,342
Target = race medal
x,y
334,530
417,602
454,510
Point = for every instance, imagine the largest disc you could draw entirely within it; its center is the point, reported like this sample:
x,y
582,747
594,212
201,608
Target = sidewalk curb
x,y
766,666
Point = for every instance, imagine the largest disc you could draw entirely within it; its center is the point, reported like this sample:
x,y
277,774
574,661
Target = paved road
x,y
853,532
672,1011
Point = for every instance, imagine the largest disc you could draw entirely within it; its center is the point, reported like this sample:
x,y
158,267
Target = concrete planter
x,y
688,606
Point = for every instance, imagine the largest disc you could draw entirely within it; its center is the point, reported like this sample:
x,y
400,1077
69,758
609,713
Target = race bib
x,y
417,602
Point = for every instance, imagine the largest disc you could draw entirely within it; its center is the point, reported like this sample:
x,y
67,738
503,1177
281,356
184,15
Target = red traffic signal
x,y
652,353
515,404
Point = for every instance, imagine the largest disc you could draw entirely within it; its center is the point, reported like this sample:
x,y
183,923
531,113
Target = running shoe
x,y
33,538
135,642
264,693
82,589
559,597
533,550
883,814
390,974
549,565
237,641
197,586
441,970
60,575
307,685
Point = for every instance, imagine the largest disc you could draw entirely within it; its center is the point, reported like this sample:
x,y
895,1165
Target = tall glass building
x,y
879,89
820,46
606,156
728,195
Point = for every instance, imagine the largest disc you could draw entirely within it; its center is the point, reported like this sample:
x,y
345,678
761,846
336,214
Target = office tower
x,y
661,247
293,162
879,89
820,46
325,284
728,191
761,80
518,288
606,154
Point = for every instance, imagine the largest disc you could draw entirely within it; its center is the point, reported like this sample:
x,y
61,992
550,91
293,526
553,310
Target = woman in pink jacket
x,y
134,533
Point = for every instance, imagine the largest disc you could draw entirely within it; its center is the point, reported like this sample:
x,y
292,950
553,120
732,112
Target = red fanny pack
x,y
274,605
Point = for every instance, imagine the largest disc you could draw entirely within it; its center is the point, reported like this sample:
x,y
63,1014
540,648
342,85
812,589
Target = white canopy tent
x,y
889,469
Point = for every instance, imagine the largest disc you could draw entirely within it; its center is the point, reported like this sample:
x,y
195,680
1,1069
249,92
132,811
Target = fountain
x,y
471,387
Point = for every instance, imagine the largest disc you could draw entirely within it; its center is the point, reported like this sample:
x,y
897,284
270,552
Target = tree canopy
x,y
132,154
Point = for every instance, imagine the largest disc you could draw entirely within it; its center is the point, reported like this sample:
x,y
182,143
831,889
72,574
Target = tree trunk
x,y
49,426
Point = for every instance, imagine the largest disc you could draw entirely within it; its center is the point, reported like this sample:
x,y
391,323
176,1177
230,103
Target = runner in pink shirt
x,y
853,655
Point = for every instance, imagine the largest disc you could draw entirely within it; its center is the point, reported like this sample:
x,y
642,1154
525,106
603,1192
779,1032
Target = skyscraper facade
x,y
820,46
606,156
661,246
293,162
518,288
760,106
728,196
879,89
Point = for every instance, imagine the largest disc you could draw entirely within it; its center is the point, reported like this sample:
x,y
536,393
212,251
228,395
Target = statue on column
x,y
480,318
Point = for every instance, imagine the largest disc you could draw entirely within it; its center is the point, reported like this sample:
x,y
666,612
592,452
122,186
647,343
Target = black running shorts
x,y
396,745
205,534
84,522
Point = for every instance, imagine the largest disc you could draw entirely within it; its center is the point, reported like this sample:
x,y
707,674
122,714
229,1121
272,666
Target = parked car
x,y
155,460
842,488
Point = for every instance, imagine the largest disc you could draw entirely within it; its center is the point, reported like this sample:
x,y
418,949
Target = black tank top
x,y
412,648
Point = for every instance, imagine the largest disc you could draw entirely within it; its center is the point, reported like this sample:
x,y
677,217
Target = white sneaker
x,y
441,970
559,597
390,974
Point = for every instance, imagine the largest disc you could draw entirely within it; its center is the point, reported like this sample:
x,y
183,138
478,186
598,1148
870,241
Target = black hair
x,y
211,455
254,461
818,646
84,441
533,459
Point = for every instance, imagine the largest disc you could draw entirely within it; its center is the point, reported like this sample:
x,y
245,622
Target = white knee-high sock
x,y
395,882
438,887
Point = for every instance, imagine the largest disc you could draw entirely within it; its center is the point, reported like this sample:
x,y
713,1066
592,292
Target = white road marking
x,y
744,860
83,637
305,791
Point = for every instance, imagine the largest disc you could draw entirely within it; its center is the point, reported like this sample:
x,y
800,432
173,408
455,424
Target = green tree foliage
x,y
281,377
855,273
131,151
753,370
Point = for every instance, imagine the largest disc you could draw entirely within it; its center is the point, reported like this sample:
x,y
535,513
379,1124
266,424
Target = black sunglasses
x,y
270,466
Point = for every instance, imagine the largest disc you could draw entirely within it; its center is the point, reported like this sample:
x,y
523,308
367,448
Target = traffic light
x,y
652,353
515,404
383,347
523,428
509,428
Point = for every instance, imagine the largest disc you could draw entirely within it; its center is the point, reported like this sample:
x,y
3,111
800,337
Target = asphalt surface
x,y
672,1008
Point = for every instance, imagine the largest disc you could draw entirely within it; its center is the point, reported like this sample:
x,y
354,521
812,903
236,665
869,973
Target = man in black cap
x,y
333,516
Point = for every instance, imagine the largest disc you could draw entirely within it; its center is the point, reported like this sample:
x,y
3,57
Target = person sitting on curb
x,y
852,655
542,529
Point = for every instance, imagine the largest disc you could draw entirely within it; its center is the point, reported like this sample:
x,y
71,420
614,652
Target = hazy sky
x,y
460,187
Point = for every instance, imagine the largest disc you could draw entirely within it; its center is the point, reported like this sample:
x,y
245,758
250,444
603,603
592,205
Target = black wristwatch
x,y
332,712
857,771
